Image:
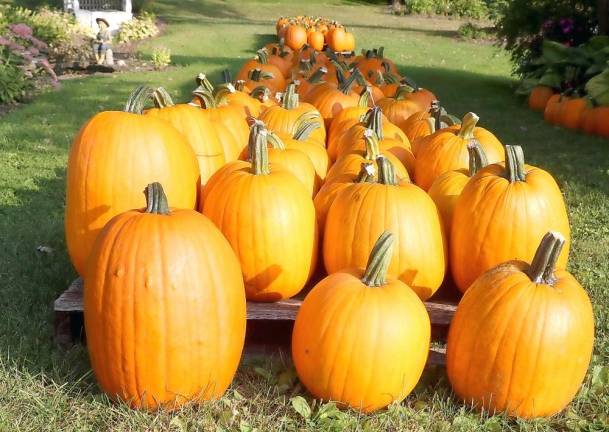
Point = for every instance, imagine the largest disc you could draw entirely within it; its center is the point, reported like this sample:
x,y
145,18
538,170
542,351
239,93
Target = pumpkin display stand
x,y
269,325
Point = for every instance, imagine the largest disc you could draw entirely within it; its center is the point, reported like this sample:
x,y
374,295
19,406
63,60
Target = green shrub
x,y
475,9
14,84
161,58
141,27
473,31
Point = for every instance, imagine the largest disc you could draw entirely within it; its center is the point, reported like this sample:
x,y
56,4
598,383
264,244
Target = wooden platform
x,y
269,324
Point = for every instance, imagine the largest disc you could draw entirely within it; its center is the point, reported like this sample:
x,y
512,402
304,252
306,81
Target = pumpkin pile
x,y
316,32
308,162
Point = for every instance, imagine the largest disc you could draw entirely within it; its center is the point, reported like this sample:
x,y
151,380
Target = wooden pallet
x,y
278,316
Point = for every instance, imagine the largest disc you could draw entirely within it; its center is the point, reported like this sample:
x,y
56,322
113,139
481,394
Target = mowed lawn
x,y
44,388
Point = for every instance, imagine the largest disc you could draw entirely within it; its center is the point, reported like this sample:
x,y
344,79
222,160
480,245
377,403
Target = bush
x,y
161,58
472,31
524,24
13,82
475,9
138,28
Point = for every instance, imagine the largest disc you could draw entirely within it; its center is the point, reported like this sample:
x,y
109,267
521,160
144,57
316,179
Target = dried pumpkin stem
x,y
477,157
222,91
317,75
239,85
468,124
203,83
226,76
386,171
262,56
262,93
514,163
436,114
275,141
206,98
348,84
162,98
364,97
402,91
260,153
374,121
366,173
138,99
304,129
156,200
379,260
542,268
372,144
290,97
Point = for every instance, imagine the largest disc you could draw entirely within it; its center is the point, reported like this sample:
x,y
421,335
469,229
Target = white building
x,y
87,11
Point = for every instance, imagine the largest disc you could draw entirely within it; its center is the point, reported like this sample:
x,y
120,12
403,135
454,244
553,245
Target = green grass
x,y
43,388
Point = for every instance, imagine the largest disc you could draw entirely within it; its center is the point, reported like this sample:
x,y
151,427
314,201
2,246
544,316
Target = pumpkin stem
x,y
226,76
258,147
222,91
259,75
542,268
514,163
317,75
436,114
477,157
411,83
386,171
364,97
290,97
162,98
348,84
391,78
402,91
206,98
262,93
305,125
138,99
239,85
366,173
372,144
468,125
203,83
262,56
378,261
305,66
374,121
275,141
156,200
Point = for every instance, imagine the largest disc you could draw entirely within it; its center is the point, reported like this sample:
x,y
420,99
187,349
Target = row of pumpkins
x,y
570,112
249,189
317,32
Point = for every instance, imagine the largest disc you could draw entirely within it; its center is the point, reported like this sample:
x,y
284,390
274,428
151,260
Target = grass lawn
x,y
43,388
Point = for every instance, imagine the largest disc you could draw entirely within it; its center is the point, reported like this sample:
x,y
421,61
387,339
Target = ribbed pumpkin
x,y
285,118
282,58
316,40
399,107
360,338
446,150
447,188
552,112
261,62
258,77
373,61
337,39
418,94
343,121
362,211
111,160
595,120
164,307
305,84
211,142
522,337
268,217
571,113
227,93
425,123
295,36
539,97
502,214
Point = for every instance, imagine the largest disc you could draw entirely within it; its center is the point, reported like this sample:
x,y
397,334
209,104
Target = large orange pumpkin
x,y
552,112
538,99
295,36
400,107
164,306
362,211
522,337
502,214
344,120
571,113
361,338
261,62
374,61
331,100
113,157
446,150
268,217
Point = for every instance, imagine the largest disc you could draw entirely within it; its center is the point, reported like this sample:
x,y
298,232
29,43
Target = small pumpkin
x,y
552,112
261,62
307,83
446,150
295,37
343,121
539,97
502,214
571,113
362,211
268,217
364,315
316,40
425,123
530,324
400,107
374,61
164,306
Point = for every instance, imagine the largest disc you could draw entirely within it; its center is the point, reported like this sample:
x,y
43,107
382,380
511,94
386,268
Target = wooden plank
x,y
440,312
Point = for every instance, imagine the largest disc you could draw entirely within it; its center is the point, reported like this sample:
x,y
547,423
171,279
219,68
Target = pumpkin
x,y
286,117
447,188
361,314
112,159
349,42
529,324
374,61
330,100
502,214
553,109
362,211
337,40
295,37
261,61
418,94
571,113
345,119
316,40
268,217
228,94
446,150
538,99
588,120
258,77
399,107
392,82
281,58
264,96
306,84
425,123
164,306
595,120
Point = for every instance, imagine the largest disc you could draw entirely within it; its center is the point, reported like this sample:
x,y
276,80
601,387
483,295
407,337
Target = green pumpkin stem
x,y
262,93
258,149
222,91
348,84
379,260
543,265
226,76
364,97
203,83
436,114
317,75
305,126
156,200
477,157
390,78
162,98
366,173
468,124
206,98
290,97
386,171
372,144
138,99
402,91
374,121
262,56
514,163
275,141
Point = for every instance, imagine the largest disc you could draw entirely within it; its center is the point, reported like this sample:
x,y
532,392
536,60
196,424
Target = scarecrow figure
x,y
102,45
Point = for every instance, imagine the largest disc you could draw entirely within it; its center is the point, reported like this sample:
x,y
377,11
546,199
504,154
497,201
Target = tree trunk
x,y
603,16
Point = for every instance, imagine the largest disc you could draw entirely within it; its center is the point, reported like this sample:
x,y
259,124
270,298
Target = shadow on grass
x,y
31,280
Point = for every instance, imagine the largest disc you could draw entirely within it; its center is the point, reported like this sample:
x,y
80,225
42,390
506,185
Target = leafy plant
x,y
472,31
13,82
141,27
161,57
460,8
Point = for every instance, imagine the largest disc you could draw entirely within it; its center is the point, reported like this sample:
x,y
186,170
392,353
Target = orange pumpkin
x,y
277,254
261,62
113,157
502,214
337,39
447,188
522,337
158,280
446,150
362,211
343,121
306,84
571,113
316,40
295,37
374,61
399,107
361,314
552,113
538,99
